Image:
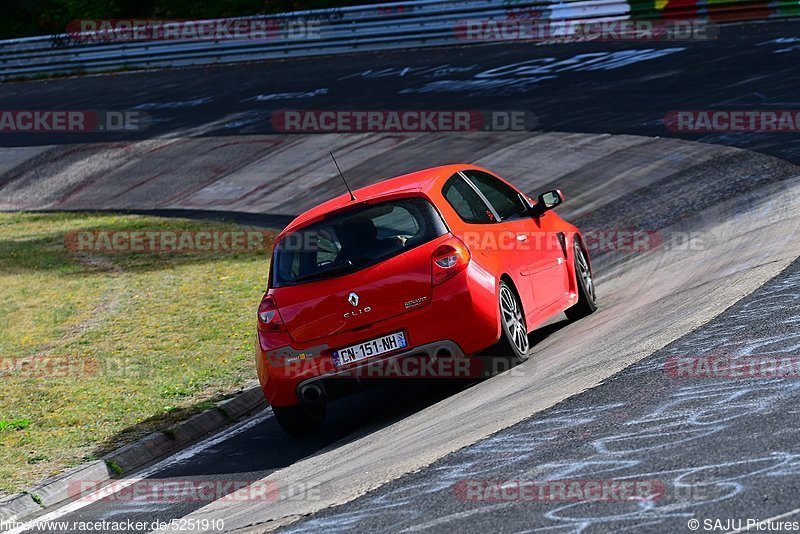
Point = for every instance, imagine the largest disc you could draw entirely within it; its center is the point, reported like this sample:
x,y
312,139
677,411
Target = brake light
x,y
269,320
449,259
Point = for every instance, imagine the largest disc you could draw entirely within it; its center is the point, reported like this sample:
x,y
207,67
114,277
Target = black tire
x,y
513,345
302,419
587,298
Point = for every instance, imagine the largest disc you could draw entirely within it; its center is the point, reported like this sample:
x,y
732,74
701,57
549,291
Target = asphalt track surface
x,y
598,87
732,442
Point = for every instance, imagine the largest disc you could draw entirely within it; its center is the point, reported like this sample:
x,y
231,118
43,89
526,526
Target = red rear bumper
x,y
460,319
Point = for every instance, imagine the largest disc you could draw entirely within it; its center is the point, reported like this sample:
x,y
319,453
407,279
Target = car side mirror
x,y
547,201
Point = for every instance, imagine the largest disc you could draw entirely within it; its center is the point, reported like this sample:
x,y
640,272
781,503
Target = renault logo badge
x,y
353,299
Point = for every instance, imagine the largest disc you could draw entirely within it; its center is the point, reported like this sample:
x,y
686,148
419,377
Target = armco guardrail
x,y
418,23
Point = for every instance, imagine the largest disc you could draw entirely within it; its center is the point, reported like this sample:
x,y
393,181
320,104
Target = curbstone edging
x,y
140,452
159,444
250,398
153,446
61,487
15,507
197,426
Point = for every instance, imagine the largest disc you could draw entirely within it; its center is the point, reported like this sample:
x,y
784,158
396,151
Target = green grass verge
x,y
150,338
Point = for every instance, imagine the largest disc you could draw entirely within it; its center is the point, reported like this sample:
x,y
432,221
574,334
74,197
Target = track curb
x,y
17,506
58,489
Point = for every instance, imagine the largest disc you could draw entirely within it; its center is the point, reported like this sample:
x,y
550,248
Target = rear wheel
x,y
302,419
512,347
587,299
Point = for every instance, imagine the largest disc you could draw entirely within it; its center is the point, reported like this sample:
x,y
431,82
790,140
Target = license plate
x,y
367,349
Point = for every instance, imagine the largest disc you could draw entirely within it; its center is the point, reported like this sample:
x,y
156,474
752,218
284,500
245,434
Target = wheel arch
x,y
577,236
505,277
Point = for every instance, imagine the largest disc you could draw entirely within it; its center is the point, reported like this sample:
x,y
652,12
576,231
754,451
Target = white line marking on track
x,y
181,456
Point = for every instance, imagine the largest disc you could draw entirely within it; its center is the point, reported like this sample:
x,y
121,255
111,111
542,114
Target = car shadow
x,y
253,452
547,330
265,447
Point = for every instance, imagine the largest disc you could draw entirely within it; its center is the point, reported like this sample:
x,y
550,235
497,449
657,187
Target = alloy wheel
x,y
585,273
514,320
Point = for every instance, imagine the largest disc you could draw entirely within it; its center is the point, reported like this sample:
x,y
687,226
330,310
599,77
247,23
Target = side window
x,y
466,202
504,199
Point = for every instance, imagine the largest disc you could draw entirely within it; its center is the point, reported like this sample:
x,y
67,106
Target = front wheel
x,y
587,299
302,419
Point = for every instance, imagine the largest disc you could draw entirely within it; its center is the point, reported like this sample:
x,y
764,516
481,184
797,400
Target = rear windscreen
x,y
353,240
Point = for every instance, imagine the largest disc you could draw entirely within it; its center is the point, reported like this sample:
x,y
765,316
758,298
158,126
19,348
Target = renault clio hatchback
x,y
438,265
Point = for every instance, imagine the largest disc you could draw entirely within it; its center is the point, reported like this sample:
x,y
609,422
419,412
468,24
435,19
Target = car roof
x,y
415,182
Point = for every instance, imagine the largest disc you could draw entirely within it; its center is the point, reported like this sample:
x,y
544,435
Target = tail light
x,y
269,320
449,259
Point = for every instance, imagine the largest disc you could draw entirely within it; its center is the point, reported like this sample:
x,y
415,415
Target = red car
x,y
438,265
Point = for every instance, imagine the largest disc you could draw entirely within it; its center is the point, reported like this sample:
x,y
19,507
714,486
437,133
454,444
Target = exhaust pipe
x,y
311,393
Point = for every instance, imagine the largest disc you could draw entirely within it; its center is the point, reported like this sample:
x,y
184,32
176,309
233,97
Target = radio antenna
x,y
352,197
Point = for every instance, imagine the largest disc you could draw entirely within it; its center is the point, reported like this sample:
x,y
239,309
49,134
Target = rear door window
x,y
466,202
505,200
